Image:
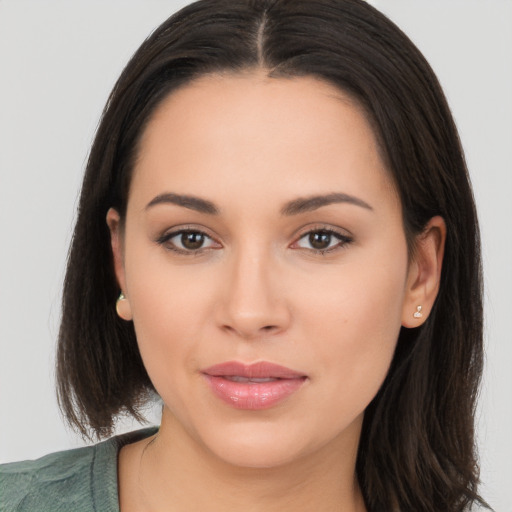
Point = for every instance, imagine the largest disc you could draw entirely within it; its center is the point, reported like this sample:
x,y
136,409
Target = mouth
x,y
253,380
256,386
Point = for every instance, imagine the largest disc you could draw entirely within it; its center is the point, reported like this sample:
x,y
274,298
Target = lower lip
x,y
256,395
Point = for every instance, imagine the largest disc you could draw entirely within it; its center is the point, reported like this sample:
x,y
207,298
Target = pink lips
x,y
256,386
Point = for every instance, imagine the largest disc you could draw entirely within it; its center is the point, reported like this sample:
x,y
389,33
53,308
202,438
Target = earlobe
x,y
424,276
114,224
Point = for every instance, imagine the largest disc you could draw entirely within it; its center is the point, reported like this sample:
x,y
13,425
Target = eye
x,y
322,240
188,241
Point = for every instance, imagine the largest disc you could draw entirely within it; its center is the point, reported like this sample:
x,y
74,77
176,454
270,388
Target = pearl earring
x,y
418,313
123,307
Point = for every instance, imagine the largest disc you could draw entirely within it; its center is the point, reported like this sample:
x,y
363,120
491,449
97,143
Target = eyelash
x,y
343,240
165,239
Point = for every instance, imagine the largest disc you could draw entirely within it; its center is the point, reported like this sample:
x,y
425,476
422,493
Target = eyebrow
x,y
308,204
190,202
295,207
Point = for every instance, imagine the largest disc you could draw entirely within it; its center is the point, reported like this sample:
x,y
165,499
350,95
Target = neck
x,y
174,472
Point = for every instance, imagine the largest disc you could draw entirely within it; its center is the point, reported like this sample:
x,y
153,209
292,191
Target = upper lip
x,y
258,370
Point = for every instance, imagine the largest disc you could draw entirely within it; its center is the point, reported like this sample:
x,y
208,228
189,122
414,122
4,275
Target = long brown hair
x,y
417,449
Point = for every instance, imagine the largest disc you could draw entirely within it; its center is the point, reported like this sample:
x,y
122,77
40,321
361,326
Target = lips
x,y
256,386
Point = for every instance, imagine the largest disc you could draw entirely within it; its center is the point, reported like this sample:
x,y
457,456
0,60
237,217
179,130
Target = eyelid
x,y
170,233
342,235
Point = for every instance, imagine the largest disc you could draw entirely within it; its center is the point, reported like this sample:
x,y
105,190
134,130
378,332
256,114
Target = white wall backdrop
x,y
58,62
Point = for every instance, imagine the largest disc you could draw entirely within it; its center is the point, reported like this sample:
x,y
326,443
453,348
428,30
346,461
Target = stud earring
x,y
123,307
418,313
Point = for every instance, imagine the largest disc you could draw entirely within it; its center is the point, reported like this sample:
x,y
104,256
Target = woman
x,y
276,233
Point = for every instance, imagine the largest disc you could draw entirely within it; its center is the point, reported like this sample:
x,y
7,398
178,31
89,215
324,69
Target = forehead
x,y
299,135
214,103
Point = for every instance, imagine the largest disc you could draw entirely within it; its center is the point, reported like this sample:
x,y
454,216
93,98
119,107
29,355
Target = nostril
x,y
251,332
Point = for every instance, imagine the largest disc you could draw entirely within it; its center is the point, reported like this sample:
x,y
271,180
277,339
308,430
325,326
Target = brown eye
x,y
320,239
192,240
187,241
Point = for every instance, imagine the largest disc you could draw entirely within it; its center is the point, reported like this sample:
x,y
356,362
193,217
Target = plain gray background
x,y
58,62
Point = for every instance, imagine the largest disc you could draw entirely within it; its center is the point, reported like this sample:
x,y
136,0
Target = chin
x,y
257,447
257,456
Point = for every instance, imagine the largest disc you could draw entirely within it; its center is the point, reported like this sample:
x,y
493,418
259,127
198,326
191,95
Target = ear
x,y
424,273
116,241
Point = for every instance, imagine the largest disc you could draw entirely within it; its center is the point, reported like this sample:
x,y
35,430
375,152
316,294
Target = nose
x,y
253,302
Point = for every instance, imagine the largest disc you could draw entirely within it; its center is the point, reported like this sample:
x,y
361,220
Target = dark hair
x,y
417,449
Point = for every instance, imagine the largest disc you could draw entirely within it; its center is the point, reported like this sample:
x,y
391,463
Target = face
x,y
265,266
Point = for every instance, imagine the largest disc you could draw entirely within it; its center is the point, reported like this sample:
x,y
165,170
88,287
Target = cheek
x,y
352,322
169,311
168,327
162,293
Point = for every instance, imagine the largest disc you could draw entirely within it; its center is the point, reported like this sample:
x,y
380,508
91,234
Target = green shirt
x,y
79,480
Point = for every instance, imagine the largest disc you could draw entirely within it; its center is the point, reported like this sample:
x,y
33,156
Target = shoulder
x,y
58,477
81,479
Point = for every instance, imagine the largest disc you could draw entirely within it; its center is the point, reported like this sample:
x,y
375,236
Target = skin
x,y
258,291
